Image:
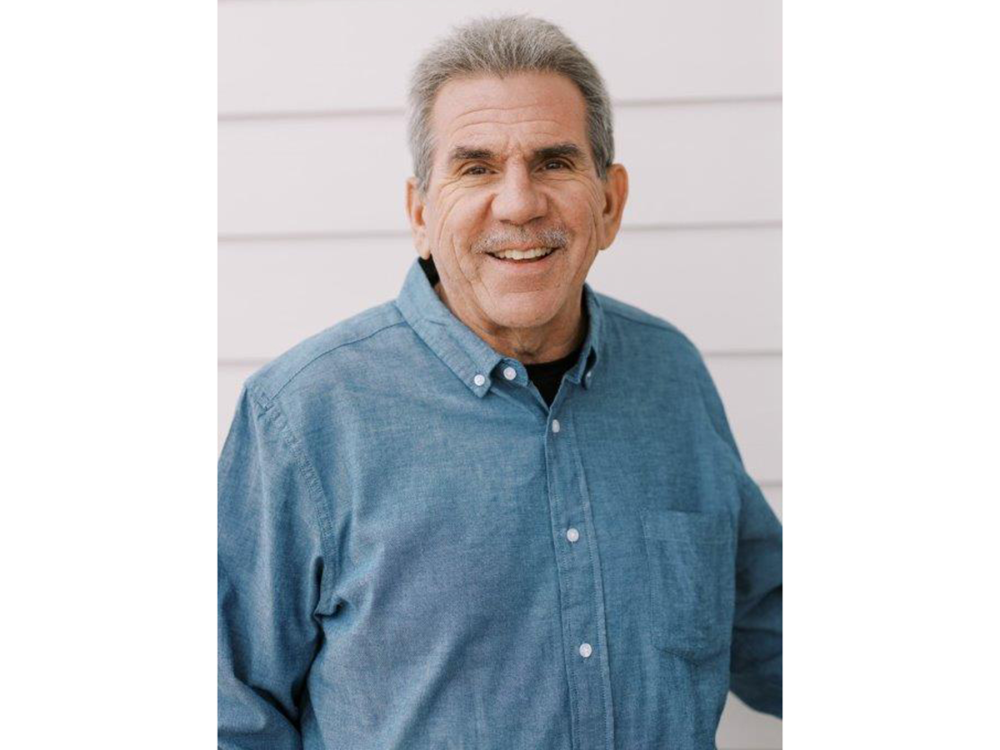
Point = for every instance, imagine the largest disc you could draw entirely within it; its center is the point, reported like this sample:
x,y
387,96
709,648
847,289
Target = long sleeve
x,y
755,659
756,651
271,570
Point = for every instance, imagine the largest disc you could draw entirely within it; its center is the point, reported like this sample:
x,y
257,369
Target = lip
x,y
524,267
522,248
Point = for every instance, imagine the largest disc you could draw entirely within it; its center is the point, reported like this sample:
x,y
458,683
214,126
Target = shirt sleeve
x,y
271,570
756,651
755,658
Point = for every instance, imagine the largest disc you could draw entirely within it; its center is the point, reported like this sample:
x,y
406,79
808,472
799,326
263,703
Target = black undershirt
x,y
545,375
548,375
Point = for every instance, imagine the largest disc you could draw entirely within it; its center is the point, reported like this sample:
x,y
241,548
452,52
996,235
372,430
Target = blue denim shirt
x,y
416,552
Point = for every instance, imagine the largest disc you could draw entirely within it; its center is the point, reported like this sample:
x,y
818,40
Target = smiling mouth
x,y
523,256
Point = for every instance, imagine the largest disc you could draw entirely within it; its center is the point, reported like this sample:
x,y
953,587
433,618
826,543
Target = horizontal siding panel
x,y
750,387
274,294
693,164
721,287
773,495
307,56
230,382
742,728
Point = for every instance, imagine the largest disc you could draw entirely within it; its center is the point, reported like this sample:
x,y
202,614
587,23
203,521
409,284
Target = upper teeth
x,y
537,252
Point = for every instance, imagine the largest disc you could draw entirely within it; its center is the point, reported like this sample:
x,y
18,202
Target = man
x,y
503,510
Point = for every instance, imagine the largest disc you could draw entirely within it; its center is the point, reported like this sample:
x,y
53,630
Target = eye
x,y
558,162
472,171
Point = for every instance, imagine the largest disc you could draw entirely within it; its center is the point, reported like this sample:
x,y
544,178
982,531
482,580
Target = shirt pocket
x,y
692,577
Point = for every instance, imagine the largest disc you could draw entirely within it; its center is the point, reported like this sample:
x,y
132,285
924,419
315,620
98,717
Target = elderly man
x,y
503,510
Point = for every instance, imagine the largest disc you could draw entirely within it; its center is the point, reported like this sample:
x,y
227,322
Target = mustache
x,y
499,240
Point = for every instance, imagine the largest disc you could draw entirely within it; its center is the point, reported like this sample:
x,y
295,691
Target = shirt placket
x,y
581,590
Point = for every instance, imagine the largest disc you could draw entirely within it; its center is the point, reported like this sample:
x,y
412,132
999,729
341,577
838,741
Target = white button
x,y
572,534
589,373
510,373
479,380
555,425
585,650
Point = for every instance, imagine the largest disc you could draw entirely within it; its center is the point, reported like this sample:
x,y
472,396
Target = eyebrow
x,y
464,153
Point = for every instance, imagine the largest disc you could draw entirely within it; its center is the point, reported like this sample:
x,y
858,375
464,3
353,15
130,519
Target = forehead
x,y
525,107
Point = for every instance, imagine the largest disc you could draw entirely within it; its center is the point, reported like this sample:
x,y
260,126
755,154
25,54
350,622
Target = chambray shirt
x,y
416,552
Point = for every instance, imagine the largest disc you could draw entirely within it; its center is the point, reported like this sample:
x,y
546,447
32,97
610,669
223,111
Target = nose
x,y
519,200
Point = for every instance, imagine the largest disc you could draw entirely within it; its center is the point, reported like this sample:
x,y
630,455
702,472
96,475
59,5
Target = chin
x,y
523,316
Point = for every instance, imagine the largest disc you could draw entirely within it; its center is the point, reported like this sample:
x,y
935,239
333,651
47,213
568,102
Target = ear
x,y
415,212
615,195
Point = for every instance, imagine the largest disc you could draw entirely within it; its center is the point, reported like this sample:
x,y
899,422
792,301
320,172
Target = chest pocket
x,y
691,559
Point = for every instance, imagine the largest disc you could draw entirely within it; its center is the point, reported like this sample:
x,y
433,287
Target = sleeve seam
x,y
318,495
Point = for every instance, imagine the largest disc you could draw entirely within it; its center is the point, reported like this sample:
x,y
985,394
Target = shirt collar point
x,y
461,349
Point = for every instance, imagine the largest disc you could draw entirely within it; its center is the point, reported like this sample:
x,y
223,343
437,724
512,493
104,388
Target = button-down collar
x,y
464,351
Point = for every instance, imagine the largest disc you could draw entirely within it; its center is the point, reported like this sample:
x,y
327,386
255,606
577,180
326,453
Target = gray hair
x,y
501,46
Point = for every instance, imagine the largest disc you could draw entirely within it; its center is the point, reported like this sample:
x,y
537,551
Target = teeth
x,y
537,252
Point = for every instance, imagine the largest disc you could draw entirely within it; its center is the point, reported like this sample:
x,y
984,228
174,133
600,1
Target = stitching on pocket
x,y
691,579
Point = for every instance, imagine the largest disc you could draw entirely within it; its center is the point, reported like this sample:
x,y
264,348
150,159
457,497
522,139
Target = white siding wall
x,y
312,161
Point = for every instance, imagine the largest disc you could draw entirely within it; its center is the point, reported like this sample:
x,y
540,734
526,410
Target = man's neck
x,y
554,341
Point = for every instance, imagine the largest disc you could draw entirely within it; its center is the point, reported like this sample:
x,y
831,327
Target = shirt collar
x,y
465,352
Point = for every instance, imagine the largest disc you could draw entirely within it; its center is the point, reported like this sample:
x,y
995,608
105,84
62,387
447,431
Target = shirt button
x,y
572,534
588,375
510,373
555,425
479,380
585,650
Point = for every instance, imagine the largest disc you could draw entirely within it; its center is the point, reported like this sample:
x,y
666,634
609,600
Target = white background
x,y
109,439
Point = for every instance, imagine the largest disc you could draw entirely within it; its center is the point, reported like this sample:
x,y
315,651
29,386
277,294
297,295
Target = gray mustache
x,y
497,241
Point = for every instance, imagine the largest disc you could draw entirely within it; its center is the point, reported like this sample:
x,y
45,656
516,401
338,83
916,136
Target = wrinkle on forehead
x,y
555,124
483,125
547,98
506,143
509,115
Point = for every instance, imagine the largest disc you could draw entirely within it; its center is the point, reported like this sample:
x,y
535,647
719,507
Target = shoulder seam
x,y
661,324
290,378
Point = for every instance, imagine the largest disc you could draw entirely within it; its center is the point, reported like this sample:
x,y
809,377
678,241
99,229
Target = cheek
x,y
456,222
582,212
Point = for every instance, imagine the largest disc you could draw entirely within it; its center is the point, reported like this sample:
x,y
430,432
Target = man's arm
x,y
755,655
271,569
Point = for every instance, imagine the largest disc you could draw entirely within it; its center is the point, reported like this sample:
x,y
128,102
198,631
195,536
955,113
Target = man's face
x,y
513,169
